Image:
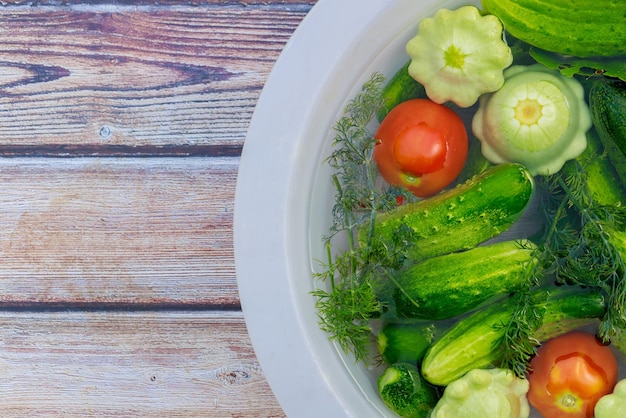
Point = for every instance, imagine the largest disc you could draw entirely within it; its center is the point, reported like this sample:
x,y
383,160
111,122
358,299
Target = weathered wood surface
x,y
183,364
143,231
127,79
121,126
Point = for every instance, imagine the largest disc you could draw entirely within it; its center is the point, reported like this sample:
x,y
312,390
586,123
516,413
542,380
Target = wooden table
x,y
121,127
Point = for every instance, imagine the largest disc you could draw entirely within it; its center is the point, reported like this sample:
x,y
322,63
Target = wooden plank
x,y
117,231
111,76
273,4
139,364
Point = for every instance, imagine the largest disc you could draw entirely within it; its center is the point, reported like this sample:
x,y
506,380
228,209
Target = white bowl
x,y
283,198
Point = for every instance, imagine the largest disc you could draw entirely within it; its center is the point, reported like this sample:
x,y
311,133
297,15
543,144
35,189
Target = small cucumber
x,y
582,28
400,88
473,341
452,284
404,342
607,102
405,392
459,218
605,185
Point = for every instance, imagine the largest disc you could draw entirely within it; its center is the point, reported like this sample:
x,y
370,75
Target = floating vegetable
x,y
573,27
400,88
422,146
404,342
455,219
607,100
605,186
538,118
405,392
493,393
453,284
570,374
458,55
479,340
585,217
612,405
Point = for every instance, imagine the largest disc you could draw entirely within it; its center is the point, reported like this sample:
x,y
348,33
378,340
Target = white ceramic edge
x,y
303,369
293,370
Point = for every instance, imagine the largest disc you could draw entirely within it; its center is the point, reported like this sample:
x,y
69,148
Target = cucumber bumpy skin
x,y
459,218
452,284
606,186
607,101
404,342
473,341
581,28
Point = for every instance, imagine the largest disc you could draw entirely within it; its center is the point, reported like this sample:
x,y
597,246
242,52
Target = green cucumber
x,y
452,284
581,28
604,183
405,392
473,341
400,88
459,218
476,162
607,102
404,342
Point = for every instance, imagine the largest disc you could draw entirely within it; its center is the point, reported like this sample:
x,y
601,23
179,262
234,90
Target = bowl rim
x,y
303,96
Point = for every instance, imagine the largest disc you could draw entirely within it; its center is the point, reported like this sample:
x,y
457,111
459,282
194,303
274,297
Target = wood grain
x,y
268,5
134,76
139,364
121,123
117,231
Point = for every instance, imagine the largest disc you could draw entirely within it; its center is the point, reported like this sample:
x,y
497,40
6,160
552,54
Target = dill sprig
x,y
590,256
594,260
518,343
574,249
348,303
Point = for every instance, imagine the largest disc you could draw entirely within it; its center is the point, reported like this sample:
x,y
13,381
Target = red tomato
x,y
422,146
570,374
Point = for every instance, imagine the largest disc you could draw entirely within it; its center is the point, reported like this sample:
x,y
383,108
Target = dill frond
x,y
351,273
518,343
587,253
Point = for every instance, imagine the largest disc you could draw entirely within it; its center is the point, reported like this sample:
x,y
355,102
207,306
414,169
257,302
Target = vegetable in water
x,y
607,100
452,284
538,118
480,339
602,180
612,405
400,88
455,219
348,302
381,237
404,342
404,391
571,27
492,393
422,146
458,55
570,374
584,235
